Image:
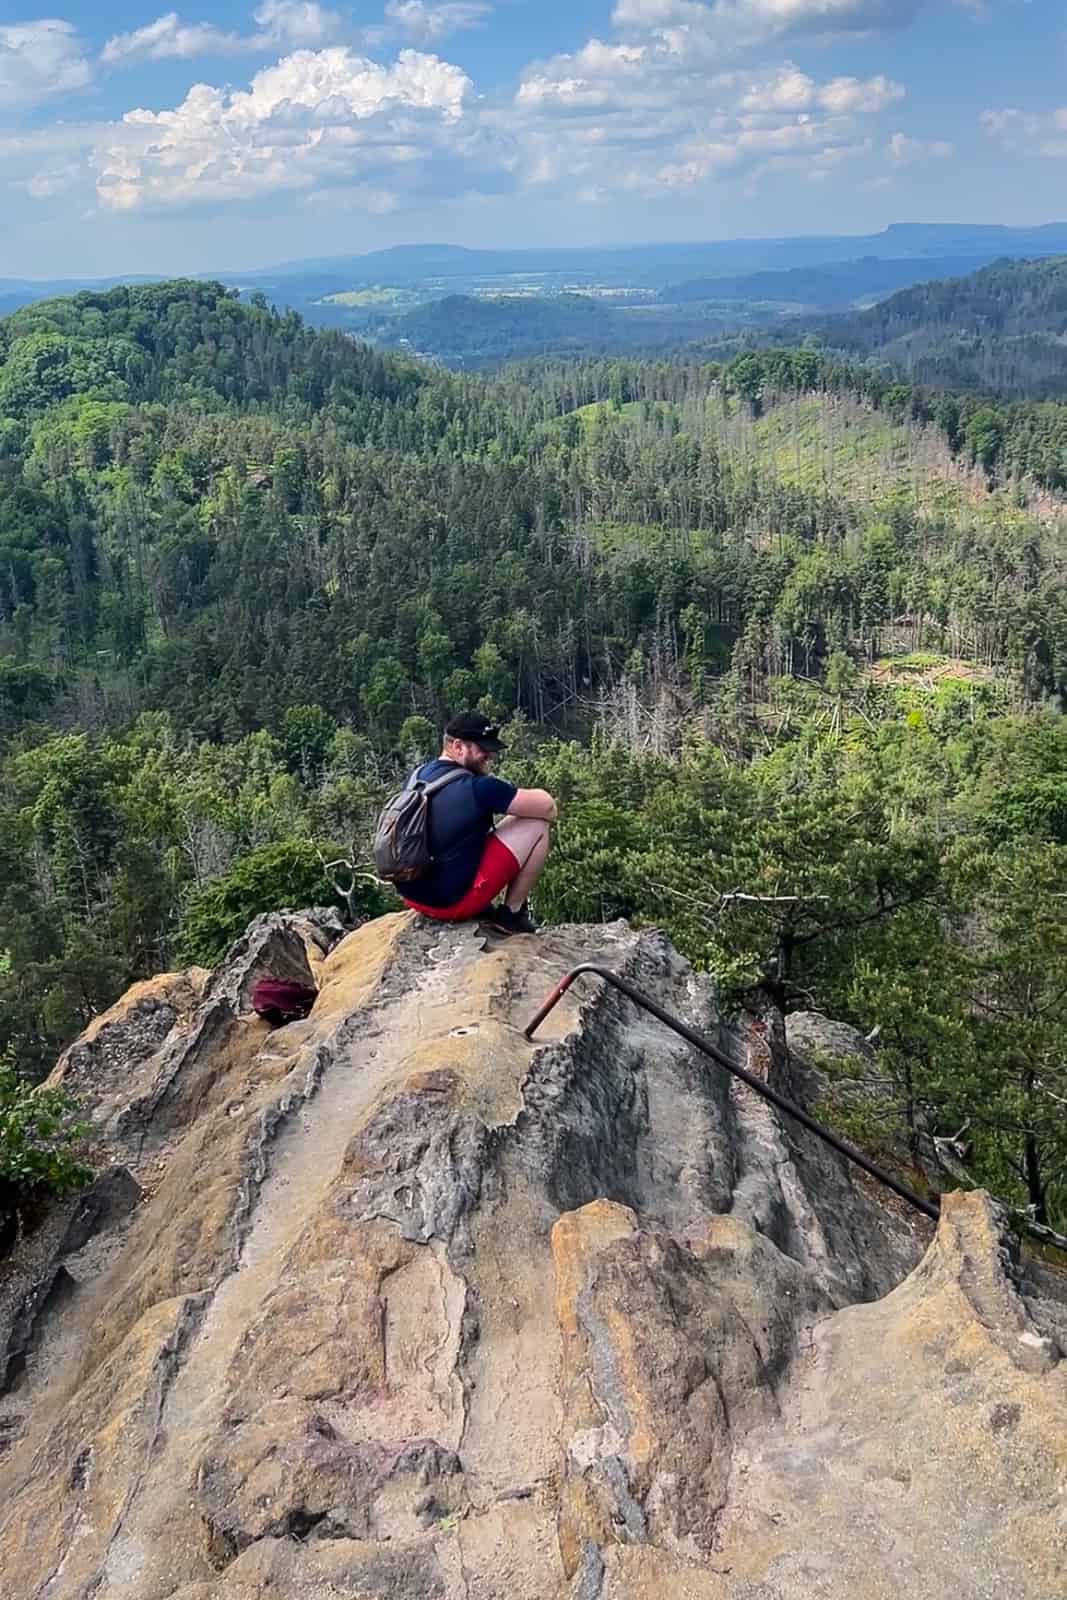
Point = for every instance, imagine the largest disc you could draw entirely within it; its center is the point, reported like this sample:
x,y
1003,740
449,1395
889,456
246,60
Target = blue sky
x,y
241,134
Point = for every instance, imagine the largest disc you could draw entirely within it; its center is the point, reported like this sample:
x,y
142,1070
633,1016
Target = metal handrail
x,y
929,1208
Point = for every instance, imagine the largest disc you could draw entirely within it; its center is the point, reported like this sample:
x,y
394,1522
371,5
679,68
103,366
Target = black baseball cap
x,y
475,728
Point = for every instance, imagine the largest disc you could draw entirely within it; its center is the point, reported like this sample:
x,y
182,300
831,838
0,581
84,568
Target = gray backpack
x,y
402,840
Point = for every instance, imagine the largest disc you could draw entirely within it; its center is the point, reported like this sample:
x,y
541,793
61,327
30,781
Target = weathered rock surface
x,y
390,1303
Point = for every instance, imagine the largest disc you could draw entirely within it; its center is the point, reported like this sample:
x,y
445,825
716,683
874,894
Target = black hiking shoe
x,y
503,920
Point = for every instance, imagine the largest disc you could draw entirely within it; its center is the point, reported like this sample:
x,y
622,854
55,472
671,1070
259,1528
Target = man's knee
x,y
529,830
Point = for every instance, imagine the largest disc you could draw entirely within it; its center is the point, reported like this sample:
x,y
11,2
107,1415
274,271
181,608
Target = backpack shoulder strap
x,y
449,777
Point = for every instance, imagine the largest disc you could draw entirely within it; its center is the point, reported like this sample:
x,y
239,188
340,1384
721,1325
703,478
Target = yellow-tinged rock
x,y
414,1308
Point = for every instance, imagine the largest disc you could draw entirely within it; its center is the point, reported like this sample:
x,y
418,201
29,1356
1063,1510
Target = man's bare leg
x,y
527,838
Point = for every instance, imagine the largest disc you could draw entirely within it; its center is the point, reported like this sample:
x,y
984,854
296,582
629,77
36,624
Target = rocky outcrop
x,y
410,1307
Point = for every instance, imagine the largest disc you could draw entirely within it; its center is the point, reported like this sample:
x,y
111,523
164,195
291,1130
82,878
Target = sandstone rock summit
x,y
391,1304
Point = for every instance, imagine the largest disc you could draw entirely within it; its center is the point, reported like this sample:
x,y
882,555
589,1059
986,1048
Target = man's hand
x,y
534,803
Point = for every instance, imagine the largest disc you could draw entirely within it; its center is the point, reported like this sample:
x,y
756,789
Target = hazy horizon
x,y
298,264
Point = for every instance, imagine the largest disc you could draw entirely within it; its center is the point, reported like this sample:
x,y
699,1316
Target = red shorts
x,y
495,871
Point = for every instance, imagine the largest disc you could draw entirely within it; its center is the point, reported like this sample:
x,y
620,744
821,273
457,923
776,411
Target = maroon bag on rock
x,y
279,1001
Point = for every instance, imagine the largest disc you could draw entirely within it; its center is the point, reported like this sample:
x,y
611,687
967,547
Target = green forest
x,y
996,332
999,329
786,637
479,332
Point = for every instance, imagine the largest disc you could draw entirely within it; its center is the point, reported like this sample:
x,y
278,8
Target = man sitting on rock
x,y
473,861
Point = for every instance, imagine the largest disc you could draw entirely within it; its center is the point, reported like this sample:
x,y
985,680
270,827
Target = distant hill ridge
x,y
898,240
652,265
832,286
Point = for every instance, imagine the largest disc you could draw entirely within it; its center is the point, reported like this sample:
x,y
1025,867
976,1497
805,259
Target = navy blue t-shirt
x,y
461,819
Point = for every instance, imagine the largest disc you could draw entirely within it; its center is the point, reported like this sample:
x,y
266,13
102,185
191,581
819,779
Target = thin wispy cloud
x,y
281,23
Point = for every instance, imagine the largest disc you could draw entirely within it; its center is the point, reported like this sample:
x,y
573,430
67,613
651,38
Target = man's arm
x,y
533,803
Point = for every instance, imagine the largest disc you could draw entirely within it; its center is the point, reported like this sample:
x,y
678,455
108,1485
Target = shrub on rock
x,y
275,877
39,1135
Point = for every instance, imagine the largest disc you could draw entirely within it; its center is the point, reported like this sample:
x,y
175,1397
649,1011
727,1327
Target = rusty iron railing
x,y
928,1207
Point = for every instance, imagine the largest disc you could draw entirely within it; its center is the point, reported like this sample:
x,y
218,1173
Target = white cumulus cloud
x,y
39,60
597,75
791,90
651,115
314,118
667,104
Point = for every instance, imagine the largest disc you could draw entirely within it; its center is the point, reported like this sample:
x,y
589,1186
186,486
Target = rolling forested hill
x,y
472,333
788,640
1001,329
